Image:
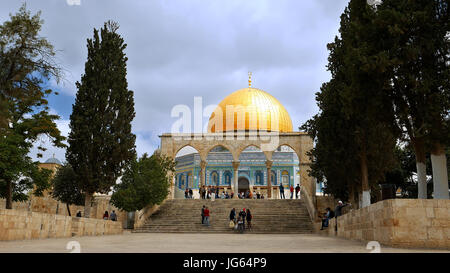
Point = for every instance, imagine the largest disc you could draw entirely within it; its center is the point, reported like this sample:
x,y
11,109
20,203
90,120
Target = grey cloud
x,y
181,49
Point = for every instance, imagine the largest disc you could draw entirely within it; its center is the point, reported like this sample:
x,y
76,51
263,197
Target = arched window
x,y
182,182
190,181
214,178
259,178
285,177
227,178
273,178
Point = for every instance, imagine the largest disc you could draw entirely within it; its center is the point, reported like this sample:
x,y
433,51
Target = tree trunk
x,y
419,150
365,198
87,205
440,175
8,194
68,209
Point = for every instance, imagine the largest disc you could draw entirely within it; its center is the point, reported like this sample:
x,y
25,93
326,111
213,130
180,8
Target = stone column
x,y
234,188
172,177
269,178
202,173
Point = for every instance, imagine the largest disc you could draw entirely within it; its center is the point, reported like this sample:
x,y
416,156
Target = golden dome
x,y
258,108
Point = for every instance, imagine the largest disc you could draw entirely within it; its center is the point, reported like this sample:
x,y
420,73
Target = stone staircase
x,y
269,216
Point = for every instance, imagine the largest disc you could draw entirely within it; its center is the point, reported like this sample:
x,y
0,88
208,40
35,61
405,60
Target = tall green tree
x,y
354,97
101,142
146,182
26,65
65,187
414,35
333,157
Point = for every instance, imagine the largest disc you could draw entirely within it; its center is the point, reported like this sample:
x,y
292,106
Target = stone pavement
x,y
199,243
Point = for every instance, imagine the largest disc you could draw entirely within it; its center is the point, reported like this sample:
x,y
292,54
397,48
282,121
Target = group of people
x,y
106,216
238,221
329,214
188,193
212,192
291,189
250,195
112,216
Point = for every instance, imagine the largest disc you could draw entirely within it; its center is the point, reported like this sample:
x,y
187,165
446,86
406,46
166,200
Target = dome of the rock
x,y
250,109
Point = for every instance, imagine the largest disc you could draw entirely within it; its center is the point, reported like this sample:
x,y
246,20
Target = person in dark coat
x,y
282,191
233,215
249,219
297,190
338,211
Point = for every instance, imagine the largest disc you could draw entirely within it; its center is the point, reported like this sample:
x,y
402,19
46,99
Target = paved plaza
x,y
199,243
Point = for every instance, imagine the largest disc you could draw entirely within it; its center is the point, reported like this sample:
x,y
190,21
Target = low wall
x,y
410,223
23,225
46,204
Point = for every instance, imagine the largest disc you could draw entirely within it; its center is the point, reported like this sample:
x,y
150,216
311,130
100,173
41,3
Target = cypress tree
x,y
101,142
415,37
354,126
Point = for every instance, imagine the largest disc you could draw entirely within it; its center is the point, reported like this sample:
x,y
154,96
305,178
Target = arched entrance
x,y
243,185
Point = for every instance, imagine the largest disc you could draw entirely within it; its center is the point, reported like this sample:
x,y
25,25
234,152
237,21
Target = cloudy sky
x,y
179,50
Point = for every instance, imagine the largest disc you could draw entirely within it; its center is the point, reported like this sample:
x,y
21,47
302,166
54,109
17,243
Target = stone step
x,y
269,216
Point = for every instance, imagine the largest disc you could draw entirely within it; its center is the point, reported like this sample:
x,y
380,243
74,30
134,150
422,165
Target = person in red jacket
x,y
291,188
206,214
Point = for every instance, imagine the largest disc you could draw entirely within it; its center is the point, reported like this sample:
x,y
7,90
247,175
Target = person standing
x,y
249,219
206,213
243,215
113,216
203,214
233,215
338,211
213,194
186,193
190,193
282,191
297,190
291,189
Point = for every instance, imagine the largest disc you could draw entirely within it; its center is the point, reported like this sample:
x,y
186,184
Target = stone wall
x,y
411,223
23,225
46,204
